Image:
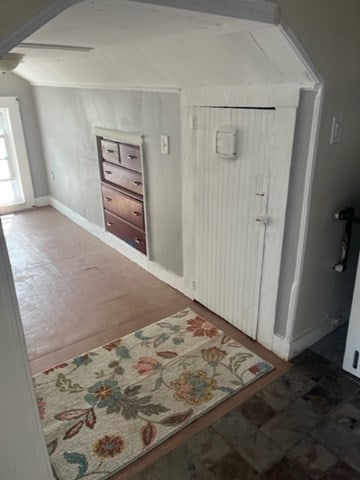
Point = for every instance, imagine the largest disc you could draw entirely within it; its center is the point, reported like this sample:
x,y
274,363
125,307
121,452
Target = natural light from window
x,y
10,191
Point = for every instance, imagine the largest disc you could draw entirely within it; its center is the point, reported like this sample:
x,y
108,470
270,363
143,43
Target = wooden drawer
x,y
124,178
127,208
130,234
130,157
110,151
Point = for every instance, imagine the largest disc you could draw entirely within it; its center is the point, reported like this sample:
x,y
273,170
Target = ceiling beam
x,y
33,23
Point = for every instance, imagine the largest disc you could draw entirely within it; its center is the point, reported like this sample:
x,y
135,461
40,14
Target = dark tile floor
x,y
304,426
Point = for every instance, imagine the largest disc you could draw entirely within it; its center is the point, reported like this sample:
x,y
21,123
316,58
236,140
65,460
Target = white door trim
x,y
280,163
305,214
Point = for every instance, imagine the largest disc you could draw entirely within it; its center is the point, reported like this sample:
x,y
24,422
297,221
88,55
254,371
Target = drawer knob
x,y
108,199
137,184
131,157
110,224
138,240
136,214
109,172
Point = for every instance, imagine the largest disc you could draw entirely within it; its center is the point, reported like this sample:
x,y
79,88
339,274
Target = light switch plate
x,y
164,144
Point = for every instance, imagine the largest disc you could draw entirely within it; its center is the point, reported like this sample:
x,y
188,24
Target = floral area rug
x,y
104,409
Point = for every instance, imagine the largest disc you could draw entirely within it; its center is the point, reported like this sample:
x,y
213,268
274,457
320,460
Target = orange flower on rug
x,y
104,409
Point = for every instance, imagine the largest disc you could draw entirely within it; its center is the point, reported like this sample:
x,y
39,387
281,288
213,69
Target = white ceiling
x,y
141,45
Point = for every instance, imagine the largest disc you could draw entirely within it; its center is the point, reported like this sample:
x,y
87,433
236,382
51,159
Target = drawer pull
x,y
108,199
136,214
110,224
109,172
132,157
138,240
137,184
110,151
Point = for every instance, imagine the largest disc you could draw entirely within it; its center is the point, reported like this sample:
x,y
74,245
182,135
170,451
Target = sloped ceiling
x,y
139,45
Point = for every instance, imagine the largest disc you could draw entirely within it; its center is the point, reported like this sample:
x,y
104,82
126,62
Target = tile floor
x,y
303,426
297,424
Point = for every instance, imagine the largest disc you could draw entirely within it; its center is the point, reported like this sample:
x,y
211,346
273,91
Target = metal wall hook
x,y
346,215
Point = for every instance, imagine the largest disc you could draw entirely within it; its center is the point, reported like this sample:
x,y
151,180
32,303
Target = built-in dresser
x,y
122,185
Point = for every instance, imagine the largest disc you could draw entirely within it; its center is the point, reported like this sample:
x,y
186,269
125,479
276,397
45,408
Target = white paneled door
x,y
231,212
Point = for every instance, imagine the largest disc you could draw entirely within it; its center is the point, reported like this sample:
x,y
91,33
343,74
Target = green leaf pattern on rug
x,y
237,360
140,335
175,332
171,326
123,352
77,459
64,384
131,406
161,339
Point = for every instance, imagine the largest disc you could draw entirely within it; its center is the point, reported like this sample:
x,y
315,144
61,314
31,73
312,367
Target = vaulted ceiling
x,y
142,45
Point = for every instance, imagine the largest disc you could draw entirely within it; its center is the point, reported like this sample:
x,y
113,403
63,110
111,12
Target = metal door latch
x,y
262,219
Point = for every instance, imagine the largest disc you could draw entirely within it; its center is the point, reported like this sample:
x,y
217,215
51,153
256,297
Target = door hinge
x,y
193,285
194,122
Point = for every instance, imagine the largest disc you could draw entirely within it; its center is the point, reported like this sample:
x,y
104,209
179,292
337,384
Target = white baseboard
x,y
280,347
169,277
288,350
150,266
42,201
126,250
305,341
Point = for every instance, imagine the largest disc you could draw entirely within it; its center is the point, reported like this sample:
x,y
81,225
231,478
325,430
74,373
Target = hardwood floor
x,y
76,293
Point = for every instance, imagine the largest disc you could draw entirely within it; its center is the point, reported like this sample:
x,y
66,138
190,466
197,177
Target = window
x,y
15,181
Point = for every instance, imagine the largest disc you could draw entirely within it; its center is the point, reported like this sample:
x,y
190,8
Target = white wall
x,y
22,448
330,33
13,86
67,118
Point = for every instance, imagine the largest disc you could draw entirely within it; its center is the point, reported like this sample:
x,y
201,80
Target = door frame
x,y
285,100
